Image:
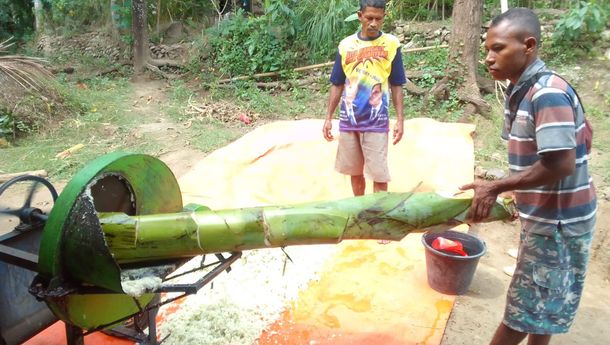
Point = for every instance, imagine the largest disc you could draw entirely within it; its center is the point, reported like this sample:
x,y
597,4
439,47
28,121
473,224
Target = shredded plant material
x,y
236,307
138,287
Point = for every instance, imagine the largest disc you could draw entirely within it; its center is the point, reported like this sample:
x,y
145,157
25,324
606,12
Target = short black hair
x,y
522,18
372,3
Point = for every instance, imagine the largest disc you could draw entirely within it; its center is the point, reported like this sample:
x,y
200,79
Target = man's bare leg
x,y
380,187
358,185
539,339
507,336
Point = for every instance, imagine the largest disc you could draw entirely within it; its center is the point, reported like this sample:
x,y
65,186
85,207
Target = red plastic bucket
x,y
452,274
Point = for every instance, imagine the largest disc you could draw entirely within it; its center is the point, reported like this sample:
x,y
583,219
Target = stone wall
x,y
99,45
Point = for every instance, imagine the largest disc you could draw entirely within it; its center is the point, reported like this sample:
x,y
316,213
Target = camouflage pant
x,y
547,284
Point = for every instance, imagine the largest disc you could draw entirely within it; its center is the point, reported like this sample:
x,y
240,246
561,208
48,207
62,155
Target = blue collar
x,y
366,38
531,70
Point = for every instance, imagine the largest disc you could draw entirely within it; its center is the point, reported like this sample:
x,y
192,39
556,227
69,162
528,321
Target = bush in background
x,y
244,44
582,25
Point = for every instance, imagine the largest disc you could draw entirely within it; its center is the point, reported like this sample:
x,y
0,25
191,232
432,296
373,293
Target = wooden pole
x,y
503,5
310,67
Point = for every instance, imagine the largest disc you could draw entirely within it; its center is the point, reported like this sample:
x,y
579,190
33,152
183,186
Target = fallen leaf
x,y
66,153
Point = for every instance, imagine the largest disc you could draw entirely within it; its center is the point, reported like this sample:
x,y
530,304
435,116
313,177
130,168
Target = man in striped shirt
x,y
547,153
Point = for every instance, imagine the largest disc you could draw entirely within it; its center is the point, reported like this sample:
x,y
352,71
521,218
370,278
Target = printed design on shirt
x,y
364,55
367,66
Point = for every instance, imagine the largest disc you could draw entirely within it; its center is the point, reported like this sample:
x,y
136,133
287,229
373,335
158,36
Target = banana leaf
x,y
382,216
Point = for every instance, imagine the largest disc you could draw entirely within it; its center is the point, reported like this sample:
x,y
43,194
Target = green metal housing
x,y
71,254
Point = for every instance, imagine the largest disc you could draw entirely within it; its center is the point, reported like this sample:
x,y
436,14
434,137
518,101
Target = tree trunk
x,y
114,19
158,16
38,16
140,36
464,46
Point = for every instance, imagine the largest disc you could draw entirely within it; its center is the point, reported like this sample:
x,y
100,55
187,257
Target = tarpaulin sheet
x,y
366,292
289,162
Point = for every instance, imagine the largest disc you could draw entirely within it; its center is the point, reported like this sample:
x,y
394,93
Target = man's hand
x,y
398,130
485,196
328,125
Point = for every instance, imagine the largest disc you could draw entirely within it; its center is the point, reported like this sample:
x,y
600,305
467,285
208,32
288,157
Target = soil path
x,y
147,100
476,314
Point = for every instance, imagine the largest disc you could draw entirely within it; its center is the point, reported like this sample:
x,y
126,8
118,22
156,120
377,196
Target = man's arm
x,y
397,100
552,167
396,79
333,101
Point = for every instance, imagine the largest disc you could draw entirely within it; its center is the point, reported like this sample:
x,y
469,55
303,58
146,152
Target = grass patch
x,y
296,102
213,135
600,121
101,123
490,149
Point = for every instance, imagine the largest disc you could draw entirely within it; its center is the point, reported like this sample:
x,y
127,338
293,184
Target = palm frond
x,y
22,71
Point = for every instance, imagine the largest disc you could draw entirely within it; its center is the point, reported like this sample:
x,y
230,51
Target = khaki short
x,y
363,153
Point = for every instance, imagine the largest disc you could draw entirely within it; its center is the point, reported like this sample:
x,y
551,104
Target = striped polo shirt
x,y
550,118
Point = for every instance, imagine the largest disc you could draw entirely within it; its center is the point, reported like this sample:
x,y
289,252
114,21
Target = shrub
x,y
581,26
246,45
323,25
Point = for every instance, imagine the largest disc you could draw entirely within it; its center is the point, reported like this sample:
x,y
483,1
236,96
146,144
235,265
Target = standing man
x,y
547,151
368,66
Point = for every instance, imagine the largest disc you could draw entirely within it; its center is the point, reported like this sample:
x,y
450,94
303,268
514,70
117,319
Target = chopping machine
x,y
111,246
52,270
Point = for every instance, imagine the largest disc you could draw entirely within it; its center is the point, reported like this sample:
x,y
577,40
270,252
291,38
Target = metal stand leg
x,y
152,326
74,335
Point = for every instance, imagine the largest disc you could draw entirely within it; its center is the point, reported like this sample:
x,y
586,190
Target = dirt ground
x,y
476,314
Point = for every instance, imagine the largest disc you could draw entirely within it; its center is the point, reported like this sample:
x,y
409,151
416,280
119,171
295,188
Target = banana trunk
x,y
389,216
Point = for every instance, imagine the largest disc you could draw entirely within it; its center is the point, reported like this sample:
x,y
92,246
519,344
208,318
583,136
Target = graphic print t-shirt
x,y
367,68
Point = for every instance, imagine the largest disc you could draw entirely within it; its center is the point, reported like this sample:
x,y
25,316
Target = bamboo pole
x,y
389,216
310,67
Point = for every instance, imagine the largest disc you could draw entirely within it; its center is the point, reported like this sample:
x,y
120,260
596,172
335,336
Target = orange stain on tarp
x,y
367,294
56,335
170,308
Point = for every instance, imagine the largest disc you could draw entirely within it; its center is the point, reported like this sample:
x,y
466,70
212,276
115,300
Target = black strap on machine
x,y
515,100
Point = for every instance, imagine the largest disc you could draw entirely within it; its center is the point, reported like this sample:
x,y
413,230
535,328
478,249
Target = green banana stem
x,y
389,216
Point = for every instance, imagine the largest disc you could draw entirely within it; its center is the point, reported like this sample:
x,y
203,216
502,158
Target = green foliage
x,y
16,19
247,45
183,10
431,62
212,135
582,25
557,55
322,24
71,15
122,10
419,9
30,114
282,17
6,124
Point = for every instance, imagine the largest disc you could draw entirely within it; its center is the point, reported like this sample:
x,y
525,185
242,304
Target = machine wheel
x,y
29,216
